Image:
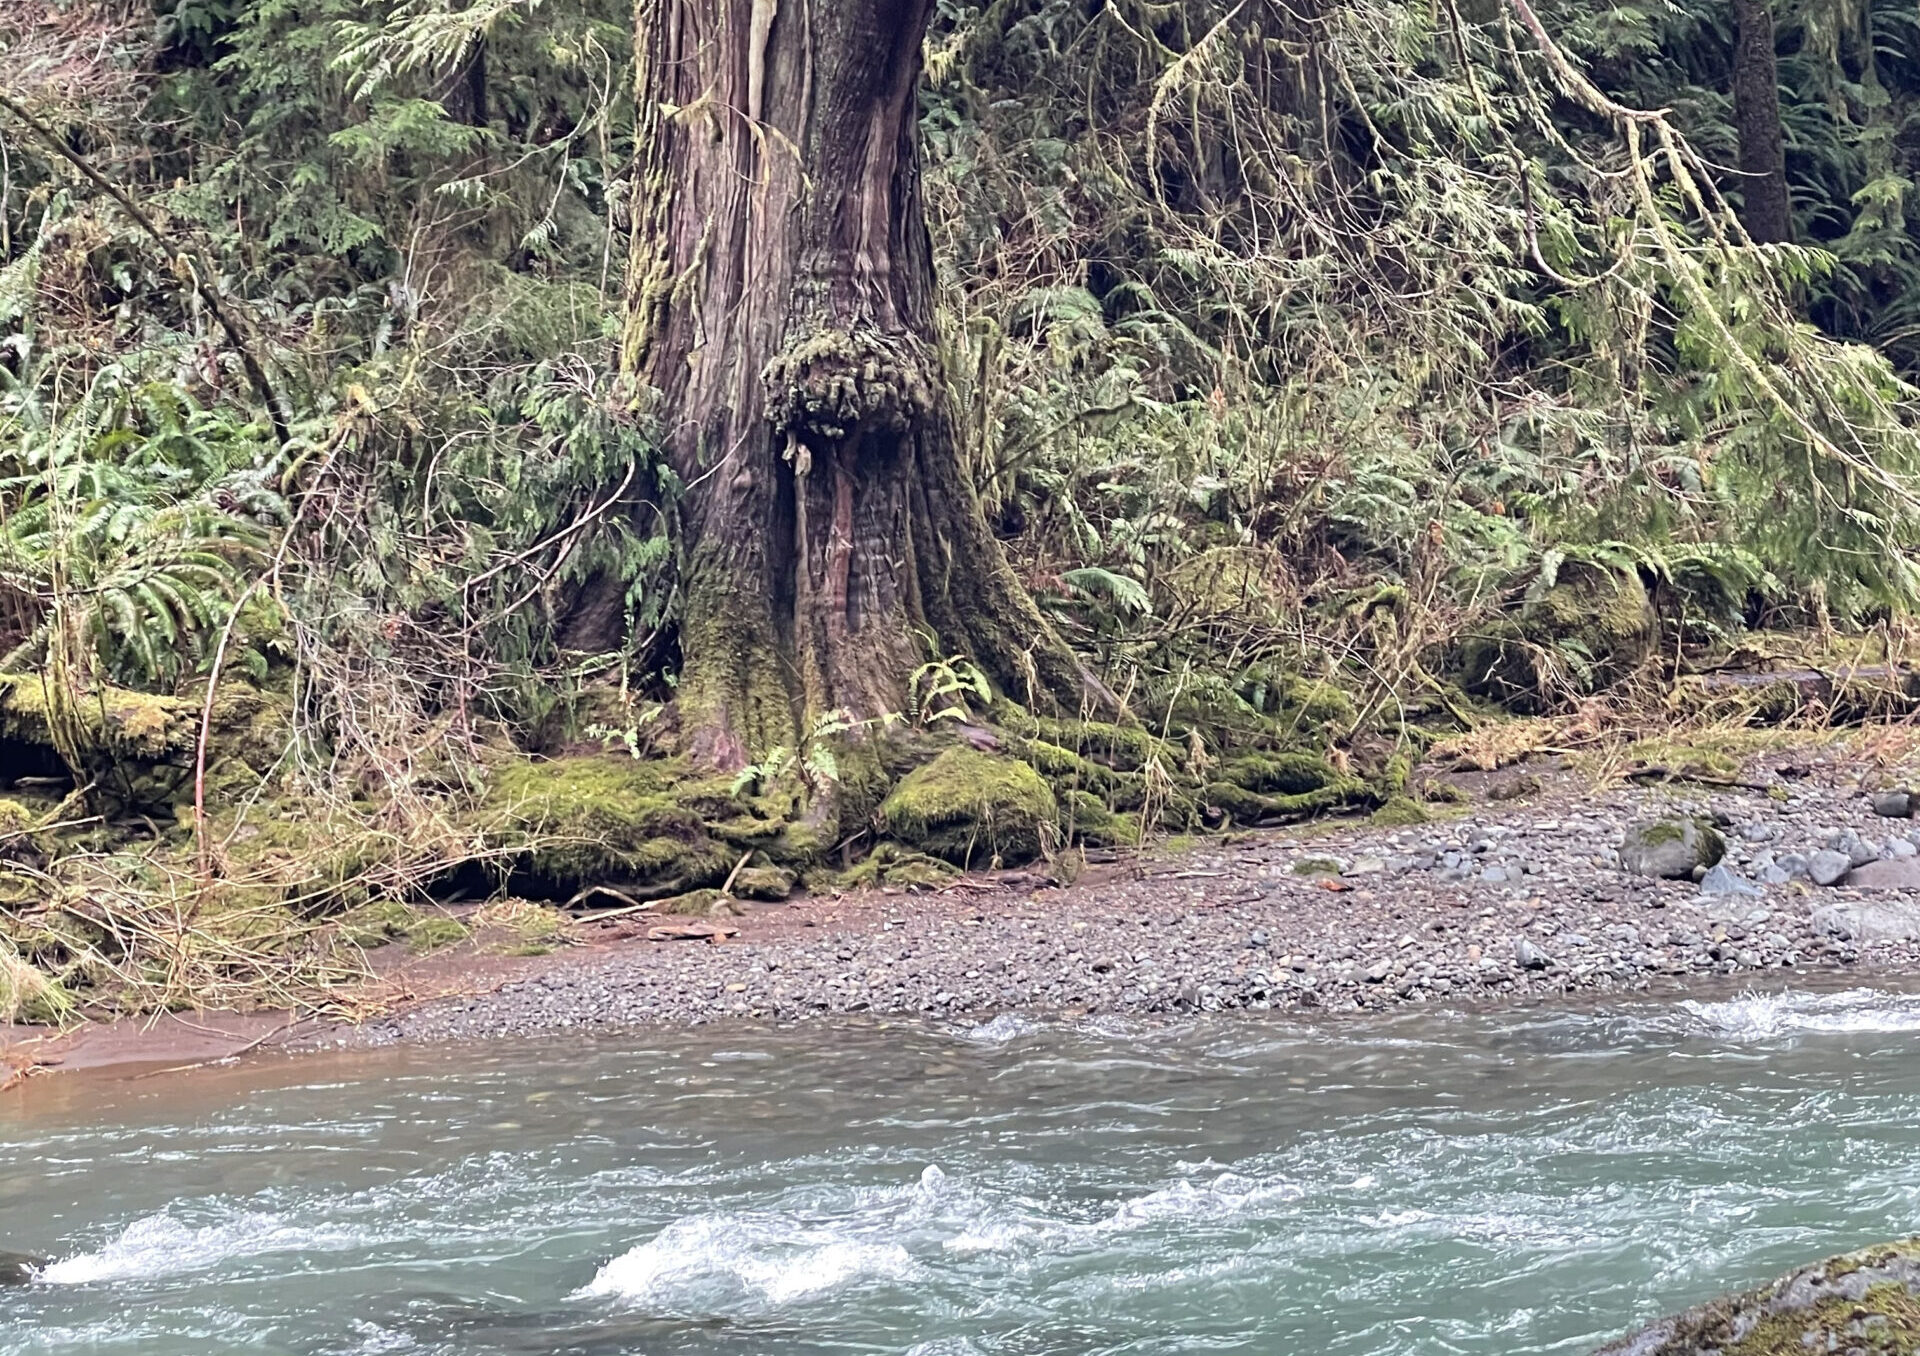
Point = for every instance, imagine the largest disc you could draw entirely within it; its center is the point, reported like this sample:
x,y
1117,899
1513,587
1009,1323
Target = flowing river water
x,y
1510,1184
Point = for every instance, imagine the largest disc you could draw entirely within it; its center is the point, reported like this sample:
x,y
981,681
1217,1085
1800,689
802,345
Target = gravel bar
x,y
1511,903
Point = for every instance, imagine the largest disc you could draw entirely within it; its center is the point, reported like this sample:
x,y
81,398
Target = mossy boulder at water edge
x,y
967,806
1865,1303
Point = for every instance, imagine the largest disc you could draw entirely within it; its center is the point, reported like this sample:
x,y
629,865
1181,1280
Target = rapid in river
x,y
1422,1184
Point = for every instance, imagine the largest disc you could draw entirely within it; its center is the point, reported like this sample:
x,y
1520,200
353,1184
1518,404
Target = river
x,y
1418,1184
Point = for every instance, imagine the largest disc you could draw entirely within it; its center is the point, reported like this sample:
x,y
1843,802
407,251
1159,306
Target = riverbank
x,y
1511,901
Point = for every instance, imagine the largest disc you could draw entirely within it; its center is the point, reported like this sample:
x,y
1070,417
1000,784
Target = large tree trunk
x,y
1767,212
781,307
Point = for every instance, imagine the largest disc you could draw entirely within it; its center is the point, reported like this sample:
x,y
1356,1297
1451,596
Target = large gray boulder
x,y
1889,873
1866,1303
1670,849
1867,922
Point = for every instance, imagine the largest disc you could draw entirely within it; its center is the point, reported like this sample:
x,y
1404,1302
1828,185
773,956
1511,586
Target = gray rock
x,y
1823,1308
1828,867
1528,956
1893,804
1869,921
1669,849
1858,851
18,1268
1722,882
1378,973
1899,847
1257,939
1794,864
1899,873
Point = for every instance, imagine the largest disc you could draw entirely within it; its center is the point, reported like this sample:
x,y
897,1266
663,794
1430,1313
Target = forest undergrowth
x,y
1351,383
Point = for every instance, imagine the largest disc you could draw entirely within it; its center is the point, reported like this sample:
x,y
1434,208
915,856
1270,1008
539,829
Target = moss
x,y
1316,866
528,923
433,931
1592,627
888,865
1267,787
1089,821
1127,748
1400,812
695,904
1288,774
1062,764
376,924
1318,704
763,882
967,805
604,819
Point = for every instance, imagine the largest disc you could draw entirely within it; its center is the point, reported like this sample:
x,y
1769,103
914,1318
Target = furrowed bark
x,y
781,309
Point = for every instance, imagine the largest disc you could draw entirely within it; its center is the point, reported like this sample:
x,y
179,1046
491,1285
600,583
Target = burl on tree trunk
x,y
780,308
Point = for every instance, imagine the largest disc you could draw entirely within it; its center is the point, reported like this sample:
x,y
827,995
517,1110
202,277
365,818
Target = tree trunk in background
x,y
1767,211
781,305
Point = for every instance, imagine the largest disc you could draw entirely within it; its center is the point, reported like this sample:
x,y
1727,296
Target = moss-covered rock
x,y
890,866
1670,849
763,882
603,820
1088,821
1400,812
967,806
1286,774
1593,627
1265,788
1865,1303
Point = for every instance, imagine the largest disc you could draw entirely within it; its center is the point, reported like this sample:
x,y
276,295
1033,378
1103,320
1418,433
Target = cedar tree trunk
x,y
781,307
1767,211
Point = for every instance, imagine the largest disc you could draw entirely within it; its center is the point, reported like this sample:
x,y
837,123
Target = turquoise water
x,y
1418,1184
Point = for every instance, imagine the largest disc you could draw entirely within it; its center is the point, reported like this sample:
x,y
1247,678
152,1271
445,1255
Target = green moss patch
x,y
604,820
1401,812
967,806
889,865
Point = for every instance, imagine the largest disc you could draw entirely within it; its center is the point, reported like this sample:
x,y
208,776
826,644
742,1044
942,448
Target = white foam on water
x,y
1006,1027
715,1262
1770,1016
1228,1195
160,1245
